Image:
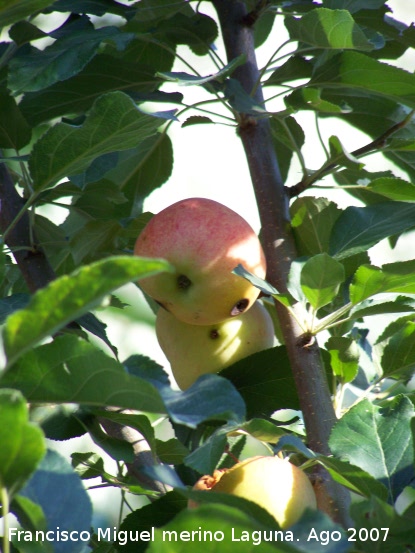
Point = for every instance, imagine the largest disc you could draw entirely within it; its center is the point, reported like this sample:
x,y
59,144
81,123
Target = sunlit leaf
x,y
344,357
360,72
327,28
321,277
396,277
114,123
398,359
378,440
22,442
312,222
359,228
70,296
353,477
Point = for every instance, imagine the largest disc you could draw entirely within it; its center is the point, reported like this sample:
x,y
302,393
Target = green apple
x,y
193,350
204,240
275,484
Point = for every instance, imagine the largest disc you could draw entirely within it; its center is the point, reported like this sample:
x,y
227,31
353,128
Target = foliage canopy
x,y
88,93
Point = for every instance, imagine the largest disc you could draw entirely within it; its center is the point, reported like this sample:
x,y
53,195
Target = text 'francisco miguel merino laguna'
x,y
123,537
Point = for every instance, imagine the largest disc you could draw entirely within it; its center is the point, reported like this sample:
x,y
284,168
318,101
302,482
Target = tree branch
x,y
29,257
280,251
38,272
331,165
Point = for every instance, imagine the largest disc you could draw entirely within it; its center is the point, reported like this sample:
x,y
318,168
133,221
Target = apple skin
x,y
275,484
204,240
193,350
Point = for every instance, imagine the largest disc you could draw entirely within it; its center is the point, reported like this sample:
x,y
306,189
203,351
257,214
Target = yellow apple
x,y
275,484
204,240
193,350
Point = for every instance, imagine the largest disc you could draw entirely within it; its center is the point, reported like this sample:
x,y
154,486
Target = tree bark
x,y
30,259
280,251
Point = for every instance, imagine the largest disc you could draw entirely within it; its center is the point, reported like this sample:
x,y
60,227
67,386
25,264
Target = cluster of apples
x,y
209,317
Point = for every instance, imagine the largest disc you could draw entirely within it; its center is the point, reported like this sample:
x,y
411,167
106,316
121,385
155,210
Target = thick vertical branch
x,y
280,250
31,261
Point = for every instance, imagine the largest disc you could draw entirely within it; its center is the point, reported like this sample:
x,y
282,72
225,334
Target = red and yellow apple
x,y
204,240
275,484
193,350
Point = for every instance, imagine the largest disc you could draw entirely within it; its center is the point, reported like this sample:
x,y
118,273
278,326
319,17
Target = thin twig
x,y
376,145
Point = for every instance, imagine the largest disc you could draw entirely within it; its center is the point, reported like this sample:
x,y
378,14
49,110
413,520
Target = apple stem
x,y
280,251
231,455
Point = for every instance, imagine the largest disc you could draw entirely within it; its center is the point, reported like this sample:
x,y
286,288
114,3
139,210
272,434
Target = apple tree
x,y
90,92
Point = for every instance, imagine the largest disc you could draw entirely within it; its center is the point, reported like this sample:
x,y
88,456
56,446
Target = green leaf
x,y
393,533
287,135
312,223
32,69
342,156
359,228
141,423
88,465
10,304
211,397
312,97
401,304
71,508
366,75
22,442
321,277
186,79
369,280
97,239
353,477
23,32
114,123
263,285
294,68
354,5
238,523
327,28
143,169
150,10
70,370
193,28
14,130
217,519
196,120
240,100
263,430
30,515
256,281
344,357
263,388
206,457
70,296
379,441
393,188
15,10
171,452
102,75
157,514
398,359
62,422
392,328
